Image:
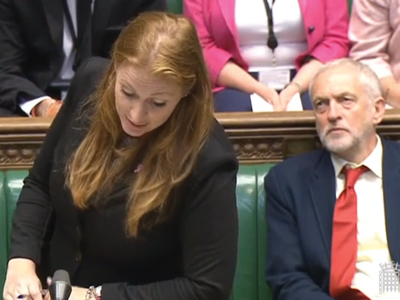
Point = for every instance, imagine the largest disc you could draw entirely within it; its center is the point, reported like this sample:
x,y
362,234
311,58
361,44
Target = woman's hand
x,y
22,280
47,108
287,94
77,293
269,95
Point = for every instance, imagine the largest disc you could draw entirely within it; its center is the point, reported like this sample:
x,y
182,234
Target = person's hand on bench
x,y
47,108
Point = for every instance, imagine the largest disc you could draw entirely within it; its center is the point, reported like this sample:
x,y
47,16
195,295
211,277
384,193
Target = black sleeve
x,y
209,237
34,209
12,57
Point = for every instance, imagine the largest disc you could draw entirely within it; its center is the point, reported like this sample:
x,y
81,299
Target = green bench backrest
x,y
12,188
175,6
350,5
11,184
246,283
249,280
263,289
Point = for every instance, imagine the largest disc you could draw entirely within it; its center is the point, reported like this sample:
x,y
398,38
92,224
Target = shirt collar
x,y
373,162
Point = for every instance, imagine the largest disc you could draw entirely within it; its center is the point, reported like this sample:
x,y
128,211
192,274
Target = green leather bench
x,y
249,281
175,6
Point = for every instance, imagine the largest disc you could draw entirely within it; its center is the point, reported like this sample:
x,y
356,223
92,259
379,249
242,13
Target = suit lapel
x,y
391,190
323,195
54,15
101,13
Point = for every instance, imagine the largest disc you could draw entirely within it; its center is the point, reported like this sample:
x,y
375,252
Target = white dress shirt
x,y
371,226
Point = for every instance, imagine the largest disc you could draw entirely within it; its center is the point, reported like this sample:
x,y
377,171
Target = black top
x,y
192,256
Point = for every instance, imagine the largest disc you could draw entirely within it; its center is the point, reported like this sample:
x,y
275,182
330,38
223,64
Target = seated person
x,y
43,42
123,196
333,214
375,39
267,49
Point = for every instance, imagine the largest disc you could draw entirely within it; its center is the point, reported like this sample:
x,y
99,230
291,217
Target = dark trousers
x,y
231,100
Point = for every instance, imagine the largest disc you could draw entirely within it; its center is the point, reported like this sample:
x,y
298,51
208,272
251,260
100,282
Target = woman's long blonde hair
x,y
169,45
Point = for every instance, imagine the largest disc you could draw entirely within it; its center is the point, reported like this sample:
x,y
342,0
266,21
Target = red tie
x,y
344,240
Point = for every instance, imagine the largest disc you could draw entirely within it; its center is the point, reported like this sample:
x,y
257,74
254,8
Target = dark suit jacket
x,y
31,41
301,195
190,257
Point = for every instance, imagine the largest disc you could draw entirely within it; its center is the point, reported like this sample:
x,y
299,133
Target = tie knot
x,y
352,174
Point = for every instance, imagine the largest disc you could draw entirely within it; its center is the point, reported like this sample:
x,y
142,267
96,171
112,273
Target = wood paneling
x,y
256,137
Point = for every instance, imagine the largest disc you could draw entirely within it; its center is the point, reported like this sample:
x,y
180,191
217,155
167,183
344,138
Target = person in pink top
x,y
268,48
375,36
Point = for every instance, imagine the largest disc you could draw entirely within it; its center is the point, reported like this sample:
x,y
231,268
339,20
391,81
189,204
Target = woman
x,y
268,48
375,39
133,193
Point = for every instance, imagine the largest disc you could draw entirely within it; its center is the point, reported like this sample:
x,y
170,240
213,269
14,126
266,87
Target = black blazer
x,y
31,42
190,257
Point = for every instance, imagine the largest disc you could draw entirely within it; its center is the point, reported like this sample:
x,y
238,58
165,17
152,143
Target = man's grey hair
x,y
368,78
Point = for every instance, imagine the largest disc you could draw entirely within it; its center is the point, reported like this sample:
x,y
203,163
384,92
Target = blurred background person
x,y
42,42
269,48
375,37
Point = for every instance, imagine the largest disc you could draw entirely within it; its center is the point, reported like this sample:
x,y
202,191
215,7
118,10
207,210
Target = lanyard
x,y
272,41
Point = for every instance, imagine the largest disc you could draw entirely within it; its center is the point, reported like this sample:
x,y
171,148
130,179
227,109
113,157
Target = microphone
x,y
60,287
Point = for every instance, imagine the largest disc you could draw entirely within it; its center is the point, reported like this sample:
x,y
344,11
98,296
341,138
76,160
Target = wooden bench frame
x,y
256,137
